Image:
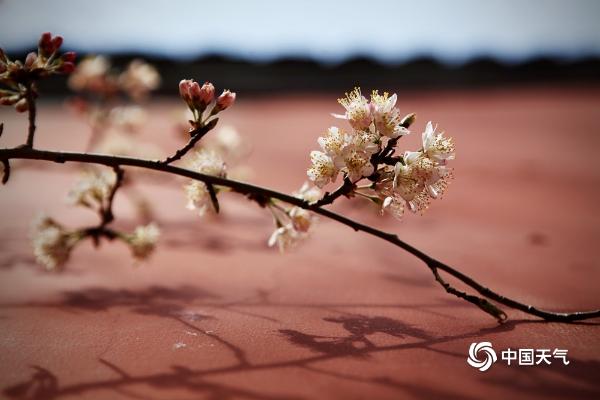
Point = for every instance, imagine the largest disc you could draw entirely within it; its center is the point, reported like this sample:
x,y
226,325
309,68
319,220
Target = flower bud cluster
x,y
199,98
18,77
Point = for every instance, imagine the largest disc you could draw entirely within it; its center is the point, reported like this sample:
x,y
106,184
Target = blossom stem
x,y
107,215
197,134
346,188
32,111
261,194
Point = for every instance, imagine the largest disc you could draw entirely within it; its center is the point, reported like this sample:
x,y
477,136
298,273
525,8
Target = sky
x,y
328,31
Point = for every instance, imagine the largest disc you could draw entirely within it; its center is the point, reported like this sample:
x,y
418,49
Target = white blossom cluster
x,y
52,243
142,241
293,223
94,74
367,152
220,154
373,124
206,162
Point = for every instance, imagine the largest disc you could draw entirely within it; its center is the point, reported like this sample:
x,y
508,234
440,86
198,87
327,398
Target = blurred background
x,y
271,45
215,313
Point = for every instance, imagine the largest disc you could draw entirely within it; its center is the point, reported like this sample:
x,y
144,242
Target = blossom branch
x,y
260,194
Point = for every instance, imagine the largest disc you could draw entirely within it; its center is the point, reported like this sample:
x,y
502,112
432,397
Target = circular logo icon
x,y
481,356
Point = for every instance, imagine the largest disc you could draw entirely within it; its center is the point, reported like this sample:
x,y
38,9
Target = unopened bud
x,y
195,93
57,41
207,93
66,68
45,44
22,105
184,91
225,100
30,60
69,56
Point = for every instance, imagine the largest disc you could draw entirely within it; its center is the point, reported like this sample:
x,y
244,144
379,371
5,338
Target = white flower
x,y
206,162
322,170
228,142
334,141
52,244
198,197
358,111
92,189
143,240
386,115
308,193
90,74
139,79
285,237
302,219
395,205
356,162
419,180
129,118
436,146
367,142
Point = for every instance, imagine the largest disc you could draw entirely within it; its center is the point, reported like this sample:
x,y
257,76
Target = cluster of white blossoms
x,y
367,151
373,124
52,243
92,189
292,224
94,74
142,241
206,162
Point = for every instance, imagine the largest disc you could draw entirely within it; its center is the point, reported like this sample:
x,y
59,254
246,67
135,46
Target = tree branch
x,y
257,192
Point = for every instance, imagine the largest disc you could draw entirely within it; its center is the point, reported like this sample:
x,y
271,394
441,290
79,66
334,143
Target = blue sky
x,y
326,30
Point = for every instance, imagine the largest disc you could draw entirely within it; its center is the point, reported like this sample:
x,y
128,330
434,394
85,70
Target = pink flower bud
x,y
57,41
184,90
66,68
195,92
45,39
22,105
45,44
225,100
69,56
30,60
207,93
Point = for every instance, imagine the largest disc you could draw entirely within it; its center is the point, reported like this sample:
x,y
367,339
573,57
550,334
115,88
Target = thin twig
x,y
257,192
31,110
197,134
107,216
345,189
